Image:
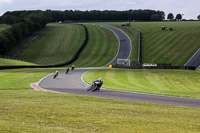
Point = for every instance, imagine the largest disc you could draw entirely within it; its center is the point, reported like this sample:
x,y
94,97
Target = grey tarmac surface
x,y
194,60
124,50
72,82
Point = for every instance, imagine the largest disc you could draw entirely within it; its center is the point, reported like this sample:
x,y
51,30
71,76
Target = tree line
x,y
107,15
170,16
24,23
178,17
93,15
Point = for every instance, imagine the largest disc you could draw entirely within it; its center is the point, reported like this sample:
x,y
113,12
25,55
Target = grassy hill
x,y
175,47
9,62
57,45
60,44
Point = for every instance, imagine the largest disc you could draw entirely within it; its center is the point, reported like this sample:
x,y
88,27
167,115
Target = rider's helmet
x,y
100,79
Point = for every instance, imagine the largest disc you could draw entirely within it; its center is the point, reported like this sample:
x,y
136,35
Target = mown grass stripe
x,y
174,47
166,49
101,48
163,82
25,111
56,45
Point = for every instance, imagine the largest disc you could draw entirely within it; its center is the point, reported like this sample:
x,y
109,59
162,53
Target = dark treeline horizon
x,y
106,15
23,24
96,15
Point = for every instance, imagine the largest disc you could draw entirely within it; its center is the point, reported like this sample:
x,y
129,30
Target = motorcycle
x,y
95,86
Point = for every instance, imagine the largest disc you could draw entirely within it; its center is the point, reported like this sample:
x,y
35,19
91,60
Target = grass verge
x,y
16,79
30,111
182,83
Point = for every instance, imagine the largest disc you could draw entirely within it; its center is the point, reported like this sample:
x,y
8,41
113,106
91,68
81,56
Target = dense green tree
x,y
8,19
170,16
17,32
155,17
3,44
198,17
106,15
31,25
23,24
178,17
12,40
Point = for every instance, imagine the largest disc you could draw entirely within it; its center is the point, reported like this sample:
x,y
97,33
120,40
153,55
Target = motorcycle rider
x,y
97,84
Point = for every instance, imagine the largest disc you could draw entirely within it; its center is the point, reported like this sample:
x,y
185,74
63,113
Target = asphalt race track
x,y
72,82
194,60
124,50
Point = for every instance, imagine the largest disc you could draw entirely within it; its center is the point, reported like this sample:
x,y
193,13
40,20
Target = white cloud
x,y
188,7
5,2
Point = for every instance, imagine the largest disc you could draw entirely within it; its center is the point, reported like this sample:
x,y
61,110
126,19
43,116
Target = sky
x,y
190,8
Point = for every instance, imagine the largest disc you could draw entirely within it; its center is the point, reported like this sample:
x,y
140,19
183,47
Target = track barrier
x,y
139,66
140,48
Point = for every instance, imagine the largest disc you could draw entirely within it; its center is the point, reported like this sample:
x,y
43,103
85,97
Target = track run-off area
x,y
73,83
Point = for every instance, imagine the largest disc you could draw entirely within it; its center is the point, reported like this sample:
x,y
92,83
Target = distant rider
x,y
73,67
55,74
67,70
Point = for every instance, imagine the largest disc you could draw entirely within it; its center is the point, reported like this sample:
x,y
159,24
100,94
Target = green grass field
x,y
25,110
9,62
30,111
102,47
175,47
182,83
57,45
16,79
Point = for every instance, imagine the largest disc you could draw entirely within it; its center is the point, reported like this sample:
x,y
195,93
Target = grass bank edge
x,y
178,83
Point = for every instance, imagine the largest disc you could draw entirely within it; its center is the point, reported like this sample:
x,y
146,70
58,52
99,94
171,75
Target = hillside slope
x,y
57,45
175,47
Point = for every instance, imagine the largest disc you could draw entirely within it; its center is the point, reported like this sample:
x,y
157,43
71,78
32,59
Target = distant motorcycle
x,y
55,74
